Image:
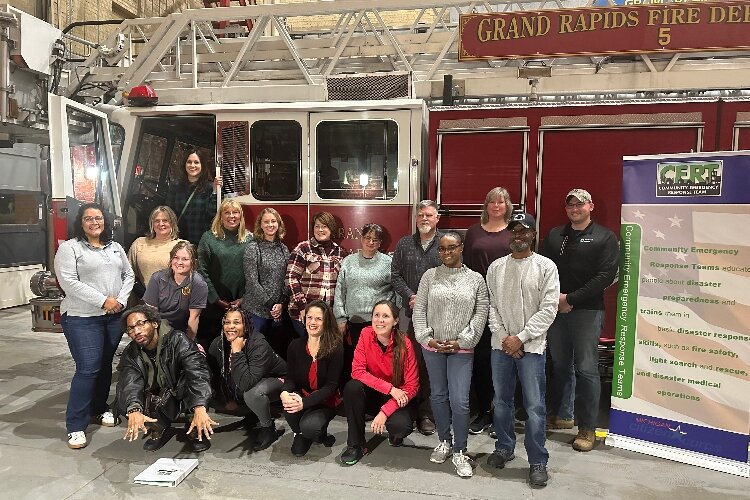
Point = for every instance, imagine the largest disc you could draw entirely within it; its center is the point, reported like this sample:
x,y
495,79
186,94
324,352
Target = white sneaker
x,y
106,419
77,440
462,463
442,452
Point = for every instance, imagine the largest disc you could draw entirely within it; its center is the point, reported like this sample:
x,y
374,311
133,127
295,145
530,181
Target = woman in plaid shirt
x,y
313,268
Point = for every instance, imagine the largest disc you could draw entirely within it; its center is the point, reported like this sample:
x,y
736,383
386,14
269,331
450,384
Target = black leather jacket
x,y
186,370
256,362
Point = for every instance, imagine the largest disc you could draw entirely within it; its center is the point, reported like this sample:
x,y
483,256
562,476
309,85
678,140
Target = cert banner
x,y
681,385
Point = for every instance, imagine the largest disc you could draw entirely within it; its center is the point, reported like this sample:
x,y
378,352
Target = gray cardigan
x,y
524,294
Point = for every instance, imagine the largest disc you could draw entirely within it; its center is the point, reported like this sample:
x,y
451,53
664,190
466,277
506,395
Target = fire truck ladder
x,y
360,50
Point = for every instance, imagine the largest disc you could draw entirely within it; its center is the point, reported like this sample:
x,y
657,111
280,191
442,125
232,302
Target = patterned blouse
x,y
311,274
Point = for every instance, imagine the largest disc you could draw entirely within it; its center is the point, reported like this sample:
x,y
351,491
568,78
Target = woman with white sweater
x,y
449,317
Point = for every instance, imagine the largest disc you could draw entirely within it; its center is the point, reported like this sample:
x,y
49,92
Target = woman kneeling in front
x,y
246,370
384,382
311,389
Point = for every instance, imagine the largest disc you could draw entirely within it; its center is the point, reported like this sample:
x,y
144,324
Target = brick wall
x,y
64,12
316,23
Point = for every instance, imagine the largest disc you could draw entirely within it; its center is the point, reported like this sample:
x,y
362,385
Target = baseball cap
x,y
524,219
581,194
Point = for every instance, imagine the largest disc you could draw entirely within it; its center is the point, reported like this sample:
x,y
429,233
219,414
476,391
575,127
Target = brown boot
x,y
555,422
585,440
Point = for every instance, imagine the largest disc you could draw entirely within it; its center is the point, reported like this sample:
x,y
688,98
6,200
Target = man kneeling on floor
x,y
161,374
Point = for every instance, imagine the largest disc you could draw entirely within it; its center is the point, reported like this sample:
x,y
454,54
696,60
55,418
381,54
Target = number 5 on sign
x,y
664,36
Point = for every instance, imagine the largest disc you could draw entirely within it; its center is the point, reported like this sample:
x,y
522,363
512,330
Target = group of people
x,y
207,326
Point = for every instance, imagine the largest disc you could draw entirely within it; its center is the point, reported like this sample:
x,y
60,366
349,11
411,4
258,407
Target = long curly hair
x,y
331,338
247,321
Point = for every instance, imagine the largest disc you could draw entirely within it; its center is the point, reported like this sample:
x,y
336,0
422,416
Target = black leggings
x,y
360,399
312,422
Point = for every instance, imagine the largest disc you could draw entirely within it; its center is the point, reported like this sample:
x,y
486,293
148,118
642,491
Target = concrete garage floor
x,y
35,371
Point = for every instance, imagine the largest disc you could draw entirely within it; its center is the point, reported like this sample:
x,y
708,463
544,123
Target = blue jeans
x,y
573,341
299,328
266,326
92,343
450,382
530,370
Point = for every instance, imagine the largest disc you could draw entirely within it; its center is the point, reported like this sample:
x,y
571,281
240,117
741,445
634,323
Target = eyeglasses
x,y
89,219
371,240
571,206
319,227
448,249
137,324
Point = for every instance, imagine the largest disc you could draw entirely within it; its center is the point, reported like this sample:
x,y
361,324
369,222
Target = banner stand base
x,y
678,455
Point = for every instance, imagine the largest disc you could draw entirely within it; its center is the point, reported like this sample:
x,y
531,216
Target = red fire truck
x,y
366,118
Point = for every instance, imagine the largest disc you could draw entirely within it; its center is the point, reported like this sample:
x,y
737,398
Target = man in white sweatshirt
x,y
524,289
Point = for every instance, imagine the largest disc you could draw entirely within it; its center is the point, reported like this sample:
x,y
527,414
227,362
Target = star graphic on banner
x,y
639,215
663,272
675,221
680,256
659,234
649,276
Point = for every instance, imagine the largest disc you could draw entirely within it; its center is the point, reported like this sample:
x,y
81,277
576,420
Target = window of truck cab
x,y
276,159
357,159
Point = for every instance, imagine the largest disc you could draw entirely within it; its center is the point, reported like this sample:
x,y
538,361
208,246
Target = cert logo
x,y
689,178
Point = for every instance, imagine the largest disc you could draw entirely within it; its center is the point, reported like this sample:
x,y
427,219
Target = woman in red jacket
x,y
384,382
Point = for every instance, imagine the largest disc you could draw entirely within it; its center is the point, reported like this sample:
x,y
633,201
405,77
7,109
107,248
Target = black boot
x,y
195,444
300,445
266,437
156,438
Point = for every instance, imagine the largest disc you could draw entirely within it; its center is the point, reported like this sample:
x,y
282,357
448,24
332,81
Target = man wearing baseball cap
x,y
586,255
524,289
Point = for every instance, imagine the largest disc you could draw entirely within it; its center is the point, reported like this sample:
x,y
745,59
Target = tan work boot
x,y
585,440
555,422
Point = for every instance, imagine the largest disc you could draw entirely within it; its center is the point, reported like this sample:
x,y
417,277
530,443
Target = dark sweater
x,y
198,214
220,264
482,248
298,376
409,263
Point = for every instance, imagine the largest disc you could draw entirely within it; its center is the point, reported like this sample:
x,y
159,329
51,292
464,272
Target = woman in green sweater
x,y
220,254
